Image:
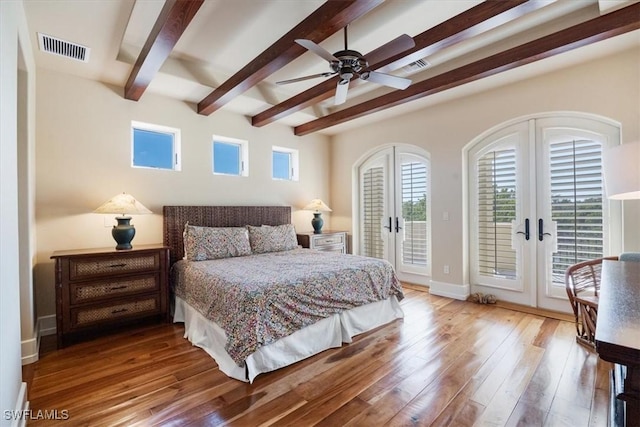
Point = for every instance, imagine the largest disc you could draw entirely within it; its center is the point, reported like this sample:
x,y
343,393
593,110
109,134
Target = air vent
x,y
64,48
414,67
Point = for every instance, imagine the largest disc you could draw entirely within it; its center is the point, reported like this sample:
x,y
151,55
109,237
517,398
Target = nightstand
x,y
332,241
99,290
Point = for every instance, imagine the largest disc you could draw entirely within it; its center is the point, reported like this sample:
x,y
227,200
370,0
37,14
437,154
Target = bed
x,y
260,311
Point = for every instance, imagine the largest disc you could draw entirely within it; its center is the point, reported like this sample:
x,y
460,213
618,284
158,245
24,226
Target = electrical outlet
x,y
445,216
446,269
108,221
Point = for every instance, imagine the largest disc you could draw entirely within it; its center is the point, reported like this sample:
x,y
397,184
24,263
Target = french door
x,y
537,207
393,211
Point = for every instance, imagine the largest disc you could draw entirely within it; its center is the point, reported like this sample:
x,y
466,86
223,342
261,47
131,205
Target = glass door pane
x,y
496,189
414,231
372,212
576,203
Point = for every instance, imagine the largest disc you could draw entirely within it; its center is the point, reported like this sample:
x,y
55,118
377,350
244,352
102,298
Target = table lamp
x,y
123,204
318,206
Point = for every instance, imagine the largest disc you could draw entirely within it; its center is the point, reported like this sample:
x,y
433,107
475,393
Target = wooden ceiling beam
x,y
328,19
603,27
478,19
171,23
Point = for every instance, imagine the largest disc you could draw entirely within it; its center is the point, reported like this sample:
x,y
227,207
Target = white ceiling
x,y
225,35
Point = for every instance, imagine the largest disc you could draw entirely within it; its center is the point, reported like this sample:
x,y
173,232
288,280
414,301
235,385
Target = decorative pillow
x,y
202,243
272,238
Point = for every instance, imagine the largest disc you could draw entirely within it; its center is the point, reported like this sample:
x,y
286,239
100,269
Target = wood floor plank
x,y
462,409
578,378
502,372
435,398
498,411
535,403
599,415
447,363
400,395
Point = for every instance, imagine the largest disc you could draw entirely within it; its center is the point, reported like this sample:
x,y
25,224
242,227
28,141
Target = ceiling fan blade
x,y
313,47
300,79
394,47
386,79
341,91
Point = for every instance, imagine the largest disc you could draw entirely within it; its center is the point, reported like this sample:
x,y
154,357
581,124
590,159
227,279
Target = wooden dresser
x,y
334,241
99,290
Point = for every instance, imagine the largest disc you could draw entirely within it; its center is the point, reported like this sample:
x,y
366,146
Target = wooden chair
x,y
582,282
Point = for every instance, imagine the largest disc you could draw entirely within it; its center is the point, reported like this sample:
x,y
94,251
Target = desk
x,y
618,333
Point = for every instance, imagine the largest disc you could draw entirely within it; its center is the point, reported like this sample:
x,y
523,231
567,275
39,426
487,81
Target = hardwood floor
x,y
447,363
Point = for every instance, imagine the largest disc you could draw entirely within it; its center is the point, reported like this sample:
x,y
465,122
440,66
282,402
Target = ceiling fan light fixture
x,y
347,74
349,64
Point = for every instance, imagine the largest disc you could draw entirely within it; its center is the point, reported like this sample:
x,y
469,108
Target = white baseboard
x,y
449,290
47,325
22,405
30,349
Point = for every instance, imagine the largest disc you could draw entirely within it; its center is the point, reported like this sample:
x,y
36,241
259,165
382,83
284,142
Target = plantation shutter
x,y
373,183
496,208
576,202
414,184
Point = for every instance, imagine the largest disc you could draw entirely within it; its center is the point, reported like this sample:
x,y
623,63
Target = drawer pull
x,y
121,310
118,265
115,288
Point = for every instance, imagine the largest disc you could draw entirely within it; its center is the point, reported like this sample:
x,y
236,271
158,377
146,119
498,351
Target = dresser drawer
x,y
87,316
99,266
327,241
81,292
334,239
330,248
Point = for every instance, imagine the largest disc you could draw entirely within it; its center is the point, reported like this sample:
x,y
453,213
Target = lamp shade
x,y
622,171
122,204
318,206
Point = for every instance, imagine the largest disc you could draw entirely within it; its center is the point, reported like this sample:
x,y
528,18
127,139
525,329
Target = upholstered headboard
x,y
175,217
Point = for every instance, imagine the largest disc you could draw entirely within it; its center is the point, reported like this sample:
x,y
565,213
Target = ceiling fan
x,y
349,64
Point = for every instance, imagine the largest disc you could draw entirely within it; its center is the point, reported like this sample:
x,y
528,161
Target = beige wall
x,y
83,158
609,87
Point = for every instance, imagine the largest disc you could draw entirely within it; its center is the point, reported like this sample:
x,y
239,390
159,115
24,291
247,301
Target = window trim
x,y
244,154
150,127
294,172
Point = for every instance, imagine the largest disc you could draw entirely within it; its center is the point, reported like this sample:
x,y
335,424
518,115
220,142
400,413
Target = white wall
x,y
83,158
12,390
608,87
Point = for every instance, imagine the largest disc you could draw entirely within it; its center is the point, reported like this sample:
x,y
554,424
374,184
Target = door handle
x,y
541,232
398,228
526,229
388,227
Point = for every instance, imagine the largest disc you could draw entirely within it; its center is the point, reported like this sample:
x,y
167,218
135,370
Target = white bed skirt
x,y
325,334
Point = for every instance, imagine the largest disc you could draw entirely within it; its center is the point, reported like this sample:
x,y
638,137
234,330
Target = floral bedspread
x,y
259,299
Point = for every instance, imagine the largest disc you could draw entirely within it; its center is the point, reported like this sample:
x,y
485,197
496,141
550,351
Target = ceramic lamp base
x,y
123,232
317,222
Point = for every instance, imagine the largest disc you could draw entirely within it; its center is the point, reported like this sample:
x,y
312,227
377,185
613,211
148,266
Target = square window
x,y
281,165
285,164
230,156
154,146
